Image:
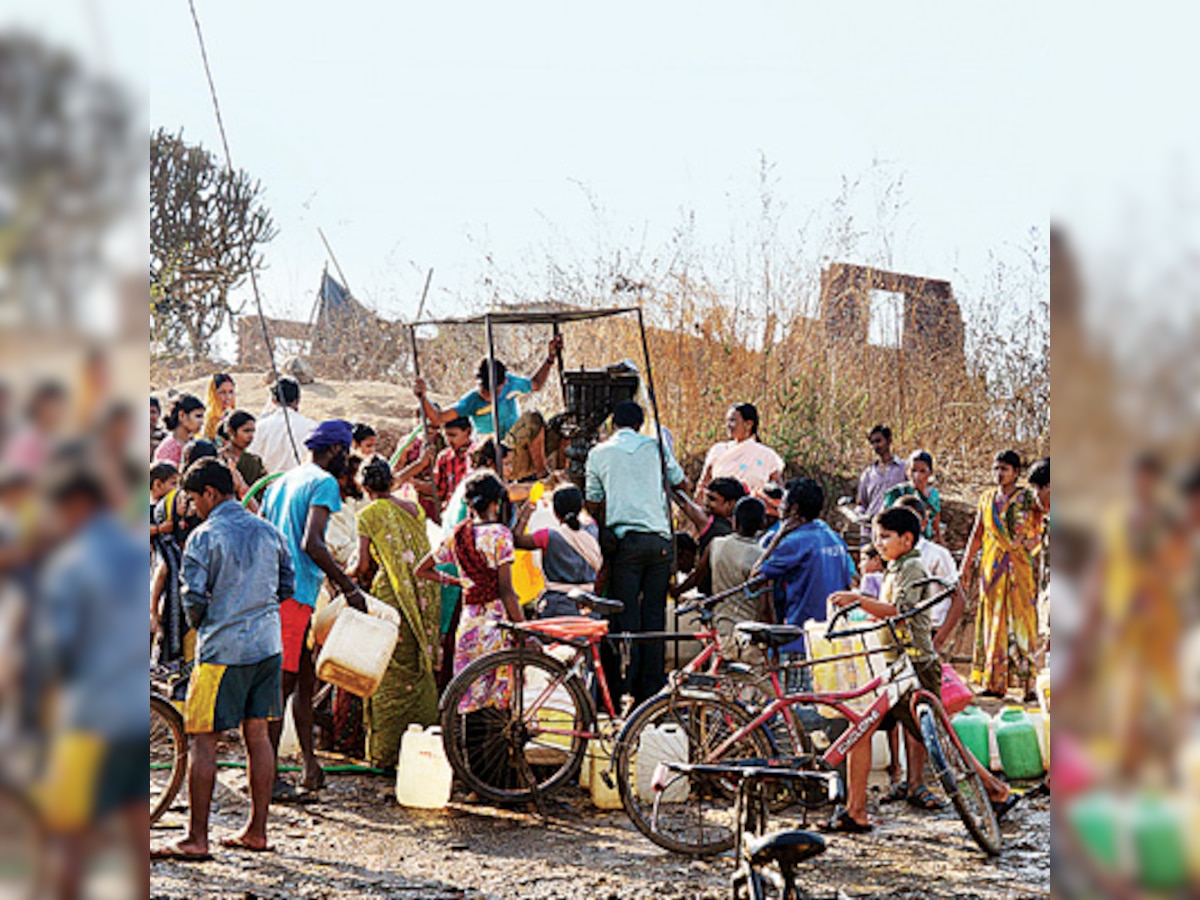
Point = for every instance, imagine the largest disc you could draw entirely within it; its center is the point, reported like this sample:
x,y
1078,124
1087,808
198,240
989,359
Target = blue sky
x,y
421,135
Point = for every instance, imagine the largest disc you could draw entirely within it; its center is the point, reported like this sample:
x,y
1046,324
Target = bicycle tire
x,y
958,777
485,765
691,826
168,747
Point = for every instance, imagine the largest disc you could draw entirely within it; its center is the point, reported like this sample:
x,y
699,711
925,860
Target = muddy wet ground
x,y
357,842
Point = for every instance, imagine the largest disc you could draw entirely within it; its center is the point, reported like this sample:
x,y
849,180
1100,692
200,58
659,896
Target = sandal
x,y
1002,807
897,792
286,792
922,798
842,823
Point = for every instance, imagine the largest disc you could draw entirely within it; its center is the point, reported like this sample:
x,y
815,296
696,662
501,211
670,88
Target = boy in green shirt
x,y
895,534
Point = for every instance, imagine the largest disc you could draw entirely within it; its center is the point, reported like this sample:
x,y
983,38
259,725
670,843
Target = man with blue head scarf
x,y
299,504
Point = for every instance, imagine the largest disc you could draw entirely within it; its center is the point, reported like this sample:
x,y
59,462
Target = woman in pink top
x,y
743,457
184,422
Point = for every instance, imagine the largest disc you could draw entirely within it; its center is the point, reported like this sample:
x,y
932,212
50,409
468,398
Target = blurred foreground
x,y
74,564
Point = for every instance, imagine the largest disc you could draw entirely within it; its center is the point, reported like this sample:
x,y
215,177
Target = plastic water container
x,y
1017,741
973,727
844,675
657,745
595,764
1042,688
881,753
327,615
289,742
1156,836
993,747
423,774
1041,723
357,652
1097,819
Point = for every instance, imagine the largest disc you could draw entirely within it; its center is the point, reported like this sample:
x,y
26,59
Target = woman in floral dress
x,y
1008,528
391,540
482,549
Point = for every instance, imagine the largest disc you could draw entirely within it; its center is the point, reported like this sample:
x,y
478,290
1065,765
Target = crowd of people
x,y
434,533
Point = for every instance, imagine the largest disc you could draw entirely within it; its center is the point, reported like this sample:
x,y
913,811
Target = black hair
x,y
901,520
499,373
232,423
749,515
180,406
162,470
806,497
773,490
462,422
376,475
208,473
1039,473
486,454
1148,462
913,502
684,542
749,412
196,450
77,480
481,490
568,504
219,378
286,391
154,402
869,550
881,429
921,456
362,431
1009,458
627,414
727,488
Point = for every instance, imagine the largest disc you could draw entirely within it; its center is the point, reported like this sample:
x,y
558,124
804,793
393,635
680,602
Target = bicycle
x,y
751,879
532,737
168,745
719,731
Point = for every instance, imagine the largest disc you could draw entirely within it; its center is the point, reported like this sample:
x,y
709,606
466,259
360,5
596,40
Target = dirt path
x,y
358,843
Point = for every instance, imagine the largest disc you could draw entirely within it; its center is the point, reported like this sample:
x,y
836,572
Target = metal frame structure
x,y
555,319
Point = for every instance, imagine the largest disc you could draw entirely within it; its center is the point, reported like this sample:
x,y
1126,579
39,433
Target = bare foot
x,y
186,850
245,841
314,779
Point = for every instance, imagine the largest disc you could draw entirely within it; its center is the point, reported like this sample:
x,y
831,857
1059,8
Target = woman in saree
x,y
391,540
1008,527
219,402
743,456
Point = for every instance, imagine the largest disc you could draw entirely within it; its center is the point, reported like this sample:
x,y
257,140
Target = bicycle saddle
x,y
787,848
567,627
602,605
771,636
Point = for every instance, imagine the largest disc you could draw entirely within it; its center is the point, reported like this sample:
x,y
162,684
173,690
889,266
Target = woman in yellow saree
x,y
392,541
1008,527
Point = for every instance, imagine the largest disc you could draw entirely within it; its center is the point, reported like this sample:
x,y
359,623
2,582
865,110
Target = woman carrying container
x,y
391,535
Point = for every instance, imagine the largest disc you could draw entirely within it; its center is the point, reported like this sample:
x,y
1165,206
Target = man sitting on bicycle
x,y
895,533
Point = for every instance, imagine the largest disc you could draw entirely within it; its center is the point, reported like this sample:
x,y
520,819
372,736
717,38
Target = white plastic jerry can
x,y
423,774
881,753
289,741
657,745
994,762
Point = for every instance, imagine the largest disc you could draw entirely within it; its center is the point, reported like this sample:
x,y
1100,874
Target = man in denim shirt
x,y
236,571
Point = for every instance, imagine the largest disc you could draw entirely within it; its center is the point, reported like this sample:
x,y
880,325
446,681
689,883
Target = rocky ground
x,y
357,842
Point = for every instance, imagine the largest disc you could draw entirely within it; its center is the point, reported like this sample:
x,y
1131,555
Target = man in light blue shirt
x,y
299,504
625,493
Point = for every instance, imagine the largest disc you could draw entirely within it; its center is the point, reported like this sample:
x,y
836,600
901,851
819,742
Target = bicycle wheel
x,y
959,779
499,749
168,755
696,812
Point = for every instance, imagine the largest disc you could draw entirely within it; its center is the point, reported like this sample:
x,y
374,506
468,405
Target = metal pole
x,y
494,390
412,333
562,382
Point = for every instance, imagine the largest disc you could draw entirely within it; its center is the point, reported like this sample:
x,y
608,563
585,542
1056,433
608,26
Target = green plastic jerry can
x,y
1017,740
1096,820
1156,829
971,726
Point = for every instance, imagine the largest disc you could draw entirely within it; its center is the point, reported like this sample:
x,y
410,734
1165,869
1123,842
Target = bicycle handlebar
x,y
702,603
890,621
